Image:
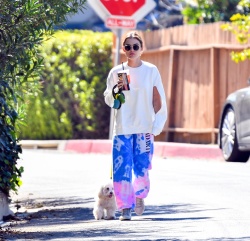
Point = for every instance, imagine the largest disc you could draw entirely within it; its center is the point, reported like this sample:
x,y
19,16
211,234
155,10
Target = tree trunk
x,y
4,206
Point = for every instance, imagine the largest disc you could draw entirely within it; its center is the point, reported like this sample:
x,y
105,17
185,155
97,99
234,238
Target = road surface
x,y
190,200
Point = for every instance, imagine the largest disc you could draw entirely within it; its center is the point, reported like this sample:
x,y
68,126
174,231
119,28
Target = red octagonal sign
x,y
122,7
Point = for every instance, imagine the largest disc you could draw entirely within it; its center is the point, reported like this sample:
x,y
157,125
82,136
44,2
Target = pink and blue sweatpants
x,y
132,155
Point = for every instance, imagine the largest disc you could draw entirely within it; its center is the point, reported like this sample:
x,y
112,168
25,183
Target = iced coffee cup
x,y
124,76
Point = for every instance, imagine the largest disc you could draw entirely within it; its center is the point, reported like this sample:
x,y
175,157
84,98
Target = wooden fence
x,y
198,74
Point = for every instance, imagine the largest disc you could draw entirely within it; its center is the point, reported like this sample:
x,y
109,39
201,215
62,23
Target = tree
x,y
240,27
209,11
24,25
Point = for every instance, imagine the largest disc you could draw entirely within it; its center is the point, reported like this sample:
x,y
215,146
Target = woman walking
x,y
140,114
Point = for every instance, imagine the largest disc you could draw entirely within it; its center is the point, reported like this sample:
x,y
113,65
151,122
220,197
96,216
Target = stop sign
x,y
122,7
122,14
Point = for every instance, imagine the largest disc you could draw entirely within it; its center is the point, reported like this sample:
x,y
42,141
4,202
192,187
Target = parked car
x,y
234,126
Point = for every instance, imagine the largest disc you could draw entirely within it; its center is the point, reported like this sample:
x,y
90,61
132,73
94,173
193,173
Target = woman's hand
x,y
120,84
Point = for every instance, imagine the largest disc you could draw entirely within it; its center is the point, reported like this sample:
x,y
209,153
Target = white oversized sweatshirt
x,y
137,114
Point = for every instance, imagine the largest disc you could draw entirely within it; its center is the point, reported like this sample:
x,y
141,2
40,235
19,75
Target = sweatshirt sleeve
x,y
161,115
108,96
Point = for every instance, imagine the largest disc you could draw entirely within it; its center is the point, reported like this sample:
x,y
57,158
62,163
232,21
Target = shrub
x,y
71,104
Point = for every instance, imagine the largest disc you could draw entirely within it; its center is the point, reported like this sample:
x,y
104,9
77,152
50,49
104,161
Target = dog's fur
x,y
105,203
4,206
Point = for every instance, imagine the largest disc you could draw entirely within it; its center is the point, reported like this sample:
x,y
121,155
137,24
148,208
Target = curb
x,y
161,149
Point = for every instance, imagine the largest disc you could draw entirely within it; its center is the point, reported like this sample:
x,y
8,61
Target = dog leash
x,y
119,97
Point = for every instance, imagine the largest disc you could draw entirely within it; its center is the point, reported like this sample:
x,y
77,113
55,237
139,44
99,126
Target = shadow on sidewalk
x,y
66,219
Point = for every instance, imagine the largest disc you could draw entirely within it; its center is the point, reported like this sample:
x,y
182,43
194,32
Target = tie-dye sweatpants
x,y
132,155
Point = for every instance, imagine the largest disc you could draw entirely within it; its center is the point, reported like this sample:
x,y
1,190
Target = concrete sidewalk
x,y
162,149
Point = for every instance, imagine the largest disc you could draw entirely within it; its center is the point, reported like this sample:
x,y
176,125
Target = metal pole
x,y
118,34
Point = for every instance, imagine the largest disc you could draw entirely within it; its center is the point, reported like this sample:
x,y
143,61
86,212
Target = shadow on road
x,y
65,219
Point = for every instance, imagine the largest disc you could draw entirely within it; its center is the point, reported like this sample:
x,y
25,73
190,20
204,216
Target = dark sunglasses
x,y
128,47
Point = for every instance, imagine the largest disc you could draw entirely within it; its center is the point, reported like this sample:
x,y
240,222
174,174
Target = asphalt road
x,y
190,199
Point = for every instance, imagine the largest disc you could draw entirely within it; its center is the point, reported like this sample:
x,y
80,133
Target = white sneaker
x,y
139,206
126,214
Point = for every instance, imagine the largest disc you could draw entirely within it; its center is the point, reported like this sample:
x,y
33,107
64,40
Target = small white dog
x,y
105,203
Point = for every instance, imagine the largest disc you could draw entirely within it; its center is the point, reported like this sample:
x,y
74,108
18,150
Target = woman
x,y
136,122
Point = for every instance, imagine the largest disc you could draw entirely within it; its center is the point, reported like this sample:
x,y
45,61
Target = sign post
x,y
120,15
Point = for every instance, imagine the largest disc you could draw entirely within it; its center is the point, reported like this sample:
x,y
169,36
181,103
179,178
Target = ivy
x,y
24,25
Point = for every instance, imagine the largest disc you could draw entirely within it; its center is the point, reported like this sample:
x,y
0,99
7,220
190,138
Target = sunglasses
x,y
128,47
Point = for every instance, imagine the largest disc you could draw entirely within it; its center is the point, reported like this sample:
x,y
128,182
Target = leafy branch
x,y
240,27
24,25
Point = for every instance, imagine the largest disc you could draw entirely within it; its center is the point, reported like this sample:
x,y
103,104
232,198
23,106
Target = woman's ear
x,y
141,51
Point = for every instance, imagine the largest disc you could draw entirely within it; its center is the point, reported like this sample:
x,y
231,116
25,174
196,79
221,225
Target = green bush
x,y
71,104
24,25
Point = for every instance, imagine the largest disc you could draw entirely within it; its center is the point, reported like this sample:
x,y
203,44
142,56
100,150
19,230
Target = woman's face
x,y
132,49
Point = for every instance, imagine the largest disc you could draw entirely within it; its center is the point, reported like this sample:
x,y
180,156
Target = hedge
x,y
70,104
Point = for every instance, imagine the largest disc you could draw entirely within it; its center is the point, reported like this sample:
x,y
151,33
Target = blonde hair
x,y
135,35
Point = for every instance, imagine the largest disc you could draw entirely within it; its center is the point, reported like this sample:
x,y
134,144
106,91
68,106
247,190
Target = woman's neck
x,y
134,63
